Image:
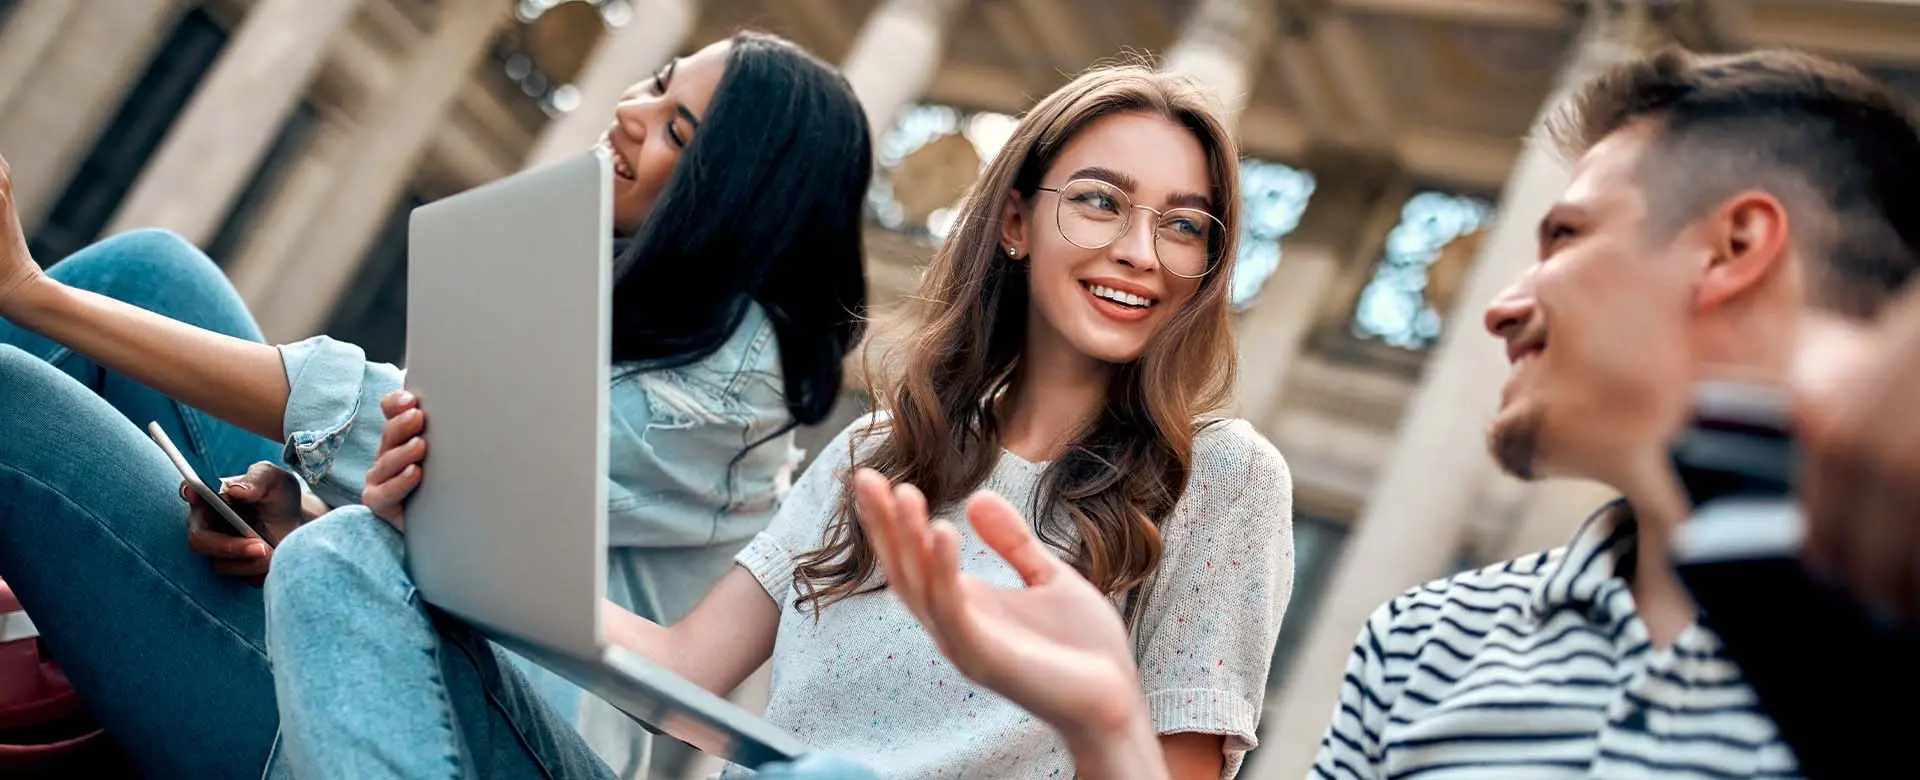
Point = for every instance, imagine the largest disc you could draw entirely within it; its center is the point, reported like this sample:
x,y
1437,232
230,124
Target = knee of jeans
x,y
140,259
345,548
24,378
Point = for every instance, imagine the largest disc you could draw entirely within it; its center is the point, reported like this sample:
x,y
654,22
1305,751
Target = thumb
x,y
240,491
1003,529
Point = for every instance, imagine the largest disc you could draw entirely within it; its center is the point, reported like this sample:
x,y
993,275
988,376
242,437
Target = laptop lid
x,y
509,300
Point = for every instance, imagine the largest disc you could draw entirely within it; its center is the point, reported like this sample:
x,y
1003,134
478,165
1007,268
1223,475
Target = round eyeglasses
x,y
1093,214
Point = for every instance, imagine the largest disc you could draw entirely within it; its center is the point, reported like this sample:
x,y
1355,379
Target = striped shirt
x,y
1539,668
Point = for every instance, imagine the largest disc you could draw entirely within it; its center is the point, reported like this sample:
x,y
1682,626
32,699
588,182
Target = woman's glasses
x,y
1093,214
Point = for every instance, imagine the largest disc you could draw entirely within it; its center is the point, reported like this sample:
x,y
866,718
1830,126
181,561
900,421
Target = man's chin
x,y
1514,440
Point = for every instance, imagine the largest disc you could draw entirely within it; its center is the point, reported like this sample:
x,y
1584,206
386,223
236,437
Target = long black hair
x,y
764,206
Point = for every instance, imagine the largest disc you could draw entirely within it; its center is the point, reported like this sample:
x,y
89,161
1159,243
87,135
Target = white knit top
x,y
863,680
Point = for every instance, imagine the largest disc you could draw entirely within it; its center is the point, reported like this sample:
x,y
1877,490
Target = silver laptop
x,y
509,295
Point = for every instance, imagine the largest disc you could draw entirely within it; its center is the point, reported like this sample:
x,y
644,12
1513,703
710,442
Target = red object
x,y
44,730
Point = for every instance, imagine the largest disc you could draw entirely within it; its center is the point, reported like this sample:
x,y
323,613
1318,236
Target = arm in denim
x,y
333,419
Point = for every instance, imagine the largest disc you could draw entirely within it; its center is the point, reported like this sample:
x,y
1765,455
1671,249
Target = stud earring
x,y
1013,253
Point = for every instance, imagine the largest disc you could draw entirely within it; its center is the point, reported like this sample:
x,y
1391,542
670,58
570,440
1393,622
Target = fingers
x,y
1003,529
386,498
395,460
407,425
206,541
249,569
913,540
396,402
261,481
875,506
947,616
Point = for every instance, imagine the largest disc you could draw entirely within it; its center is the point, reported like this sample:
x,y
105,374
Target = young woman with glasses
x,y
1065,349
740,174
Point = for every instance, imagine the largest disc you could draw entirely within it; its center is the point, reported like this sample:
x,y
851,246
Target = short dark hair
x,y
765,206
1825,138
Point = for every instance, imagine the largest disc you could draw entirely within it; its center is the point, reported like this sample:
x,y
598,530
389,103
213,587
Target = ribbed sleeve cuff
x,y
769,563
1208,711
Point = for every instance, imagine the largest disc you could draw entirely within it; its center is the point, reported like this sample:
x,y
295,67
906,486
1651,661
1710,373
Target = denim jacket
x,y
676,475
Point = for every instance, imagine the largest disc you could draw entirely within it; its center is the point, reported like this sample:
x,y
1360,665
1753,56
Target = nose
x,y
1135,247
1510,310
635,116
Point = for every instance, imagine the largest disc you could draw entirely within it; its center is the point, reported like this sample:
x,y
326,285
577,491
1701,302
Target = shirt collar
x,y
1593,566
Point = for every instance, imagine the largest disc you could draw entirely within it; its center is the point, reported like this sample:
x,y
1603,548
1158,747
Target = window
x,y
927,212
149,109
373,311
1393,308
295,137
1272,199
1317,543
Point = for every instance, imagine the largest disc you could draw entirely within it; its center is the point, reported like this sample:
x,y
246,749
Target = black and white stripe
x,y
1540,667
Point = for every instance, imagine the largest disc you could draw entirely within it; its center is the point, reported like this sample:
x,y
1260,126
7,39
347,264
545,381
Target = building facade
x,y
1389,191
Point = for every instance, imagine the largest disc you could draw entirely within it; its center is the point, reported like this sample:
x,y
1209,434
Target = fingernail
x,y
257,548
240,485
406,397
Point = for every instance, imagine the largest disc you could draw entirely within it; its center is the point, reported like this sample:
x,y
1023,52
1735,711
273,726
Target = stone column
x,y
76,84
274,243
624,56
896,55
28,33
1348,194
1220,45
232,119
1417,513
383,154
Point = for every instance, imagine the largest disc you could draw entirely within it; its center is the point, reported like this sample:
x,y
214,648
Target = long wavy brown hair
x,y
959,346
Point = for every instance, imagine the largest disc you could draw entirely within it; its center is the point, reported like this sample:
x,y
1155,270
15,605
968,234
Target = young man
x,y
1724,212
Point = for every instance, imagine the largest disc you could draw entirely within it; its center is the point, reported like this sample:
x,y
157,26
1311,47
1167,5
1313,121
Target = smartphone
x,y
213,499
1817,658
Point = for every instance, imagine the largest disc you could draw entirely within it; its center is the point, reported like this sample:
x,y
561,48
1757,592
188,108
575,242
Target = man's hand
x,y
18,271
268,498
1056,647
1858,418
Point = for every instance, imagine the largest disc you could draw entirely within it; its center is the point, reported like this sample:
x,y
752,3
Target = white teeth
x,y
620,166
1119,297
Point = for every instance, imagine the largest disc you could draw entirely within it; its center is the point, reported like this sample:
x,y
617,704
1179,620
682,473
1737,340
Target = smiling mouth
x,y
1118,298
621,167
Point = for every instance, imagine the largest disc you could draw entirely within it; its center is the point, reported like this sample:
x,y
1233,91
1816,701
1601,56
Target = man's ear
x,y
1747,238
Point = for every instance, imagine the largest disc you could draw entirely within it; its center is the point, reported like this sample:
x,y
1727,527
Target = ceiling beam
x,y
1063,35
1348,62
826,22
1467,160
1863,33
1545,14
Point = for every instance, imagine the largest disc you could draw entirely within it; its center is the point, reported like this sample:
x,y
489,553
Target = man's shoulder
x,y
1469,601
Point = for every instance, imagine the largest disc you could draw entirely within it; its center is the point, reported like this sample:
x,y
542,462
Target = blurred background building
x,y
1389,193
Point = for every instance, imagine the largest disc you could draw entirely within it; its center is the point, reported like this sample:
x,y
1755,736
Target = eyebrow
x,y
1129,184
688,115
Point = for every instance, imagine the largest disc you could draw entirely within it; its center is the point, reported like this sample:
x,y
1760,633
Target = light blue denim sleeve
x,y
333,416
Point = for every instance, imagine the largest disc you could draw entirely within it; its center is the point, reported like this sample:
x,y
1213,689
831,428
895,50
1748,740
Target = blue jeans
x,y
169,656
373,683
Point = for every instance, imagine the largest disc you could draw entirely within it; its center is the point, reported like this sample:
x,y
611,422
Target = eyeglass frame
x,y
1212,260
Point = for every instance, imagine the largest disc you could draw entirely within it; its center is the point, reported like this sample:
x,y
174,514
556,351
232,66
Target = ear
x,y
1013,225
1748,237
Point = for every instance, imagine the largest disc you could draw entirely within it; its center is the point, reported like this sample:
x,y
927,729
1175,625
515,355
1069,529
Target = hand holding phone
x,y
200,488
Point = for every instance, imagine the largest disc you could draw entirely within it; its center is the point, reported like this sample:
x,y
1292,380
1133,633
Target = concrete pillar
x,y
77,82
624,56
1416,516
1220,45
896,55
211,151
384,152
1348,195
274,244
31,29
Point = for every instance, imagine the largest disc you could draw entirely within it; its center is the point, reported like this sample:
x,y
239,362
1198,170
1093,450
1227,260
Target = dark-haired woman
x,y
740,172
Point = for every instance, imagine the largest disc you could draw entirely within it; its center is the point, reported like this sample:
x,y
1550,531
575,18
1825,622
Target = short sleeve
x,y
805,514
1206,633
333,418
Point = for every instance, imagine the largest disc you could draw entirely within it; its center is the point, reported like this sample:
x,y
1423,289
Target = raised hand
x,y
397,468
1056,647
18,271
